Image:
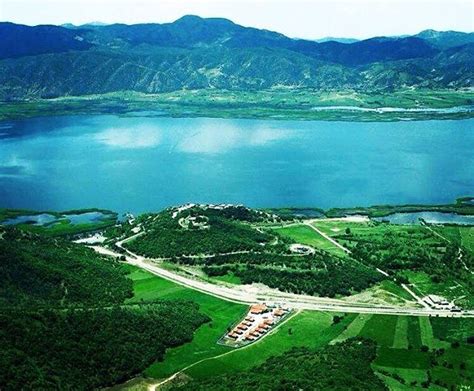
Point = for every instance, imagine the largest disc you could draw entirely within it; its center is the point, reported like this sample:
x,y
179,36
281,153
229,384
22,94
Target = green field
x,y
148,287
304,329
305,235
229,278
458,234
400,360
336,228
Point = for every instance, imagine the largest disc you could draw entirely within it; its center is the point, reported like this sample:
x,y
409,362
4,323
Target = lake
x,y
429,217
142,164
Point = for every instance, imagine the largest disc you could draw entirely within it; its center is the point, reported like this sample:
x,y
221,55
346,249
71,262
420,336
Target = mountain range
x,y
194,53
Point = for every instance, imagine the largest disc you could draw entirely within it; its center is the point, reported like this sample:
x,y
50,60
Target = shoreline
x,y
298,105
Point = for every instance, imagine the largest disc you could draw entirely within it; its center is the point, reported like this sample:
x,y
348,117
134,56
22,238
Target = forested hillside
x,y
64,323
37,271
86,349
221,242
196,53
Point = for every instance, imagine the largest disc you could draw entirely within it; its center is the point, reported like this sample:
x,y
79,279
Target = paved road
x,y
244,295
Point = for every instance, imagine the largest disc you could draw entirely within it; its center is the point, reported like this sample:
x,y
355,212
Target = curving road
x,y
252,294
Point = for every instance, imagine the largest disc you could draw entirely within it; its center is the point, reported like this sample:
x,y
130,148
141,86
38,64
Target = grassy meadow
x,y
305,235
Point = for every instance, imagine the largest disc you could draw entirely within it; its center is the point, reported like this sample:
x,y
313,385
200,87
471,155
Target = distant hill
x,y
18,40
446,39
335,39
197,53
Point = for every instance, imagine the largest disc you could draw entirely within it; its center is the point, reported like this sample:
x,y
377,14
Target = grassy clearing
x,y
148,287
380,328
395,289
400,340
305,235
229,278
334,228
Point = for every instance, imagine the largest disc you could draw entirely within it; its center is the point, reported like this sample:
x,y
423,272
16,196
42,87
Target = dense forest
x,y
64,323
36,270
344,366
319,274
84,349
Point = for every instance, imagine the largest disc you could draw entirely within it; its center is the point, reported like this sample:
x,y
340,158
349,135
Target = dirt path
x,y
327,237
416,297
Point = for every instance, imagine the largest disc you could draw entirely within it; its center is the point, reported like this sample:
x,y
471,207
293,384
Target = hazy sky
x,y
295,18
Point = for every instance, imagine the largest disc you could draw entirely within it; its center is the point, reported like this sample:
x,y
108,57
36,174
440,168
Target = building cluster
x,y
260,319
440,303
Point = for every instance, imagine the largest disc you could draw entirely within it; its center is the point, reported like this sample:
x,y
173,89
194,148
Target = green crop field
x,y
380,328
401,360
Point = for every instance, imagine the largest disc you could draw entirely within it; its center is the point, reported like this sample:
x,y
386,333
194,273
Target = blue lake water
x,y
429,217
40,219
143,164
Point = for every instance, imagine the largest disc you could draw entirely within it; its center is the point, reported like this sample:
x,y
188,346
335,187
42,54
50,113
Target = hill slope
x,y
196,53
94,338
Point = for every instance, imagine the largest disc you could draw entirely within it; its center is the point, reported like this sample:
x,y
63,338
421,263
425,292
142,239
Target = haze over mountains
x,y
195,53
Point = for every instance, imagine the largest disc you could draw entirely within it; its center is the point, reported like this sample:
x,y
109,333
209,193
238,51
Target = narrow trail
x,y
327,237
